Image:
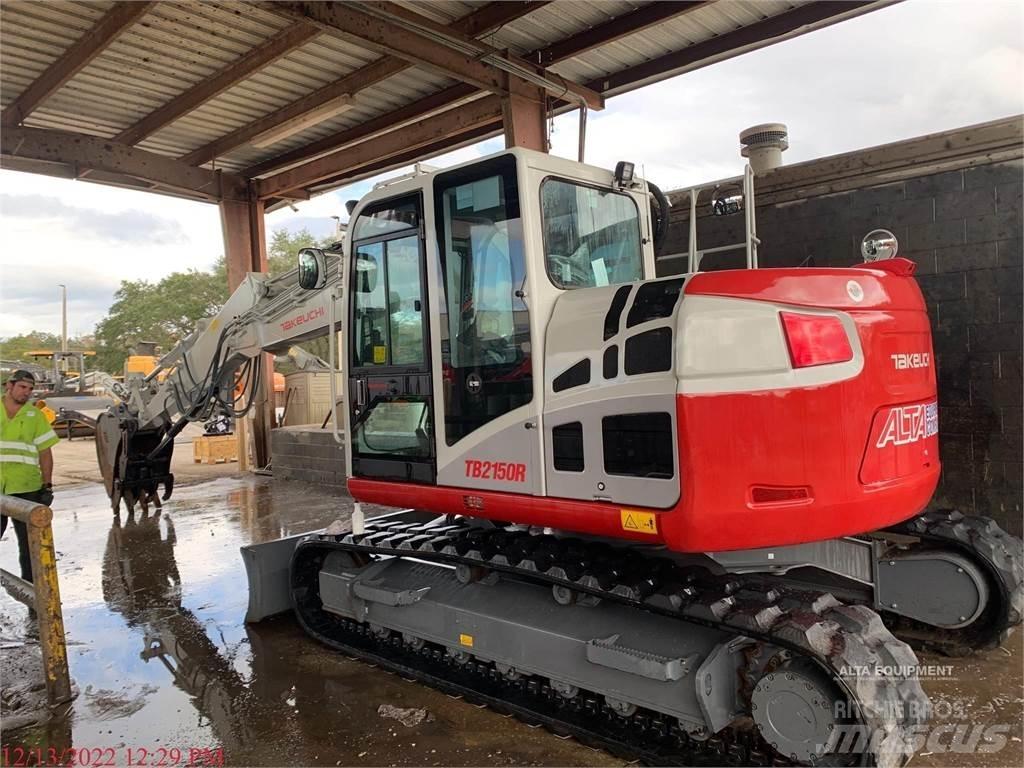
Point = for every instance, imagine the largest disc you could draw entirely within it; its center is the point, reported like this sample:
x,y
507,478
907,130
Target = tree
x,y
168,311
18,347
163,312
284,248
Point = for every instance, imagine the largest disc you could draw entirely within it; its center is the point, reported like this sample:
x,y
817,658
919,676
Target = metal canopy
x,y
244,101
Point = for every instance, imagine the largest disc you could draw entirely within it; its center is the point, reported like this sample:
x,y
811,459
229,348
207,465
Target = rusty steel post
x,y
38,519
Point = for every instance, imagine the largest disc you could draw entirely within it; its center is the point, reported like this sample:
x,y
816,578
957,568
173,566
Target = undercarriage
x,y
634,649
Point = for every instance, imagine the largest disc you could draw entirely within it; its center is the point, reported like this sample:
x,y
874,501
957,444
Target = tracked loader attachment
x,y
134,462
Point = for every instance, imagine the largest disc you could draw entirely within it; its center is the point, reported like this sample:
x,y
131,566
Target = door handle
x,y
360,393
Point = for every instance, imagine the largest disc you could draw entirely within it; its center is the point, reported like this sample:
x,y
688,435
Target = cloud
x,y
122,227
913,68
30,303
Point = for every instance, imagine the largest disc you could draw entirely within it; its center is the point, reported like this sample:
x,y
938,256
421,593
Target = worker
x,y
26,459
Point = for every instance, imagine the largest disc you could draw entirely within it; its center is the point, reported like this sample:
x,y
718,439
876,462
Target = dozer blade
x,y
132,468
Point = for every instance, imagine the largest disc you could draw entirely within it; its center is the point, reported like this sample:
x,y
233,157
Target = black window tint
x,y
611,362
485,324
574,376
649,352
611,320
567,447
653,301
638,444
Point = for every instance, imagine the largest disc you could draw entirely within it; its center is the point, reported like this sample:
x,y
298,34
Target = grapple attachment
x,y
132,460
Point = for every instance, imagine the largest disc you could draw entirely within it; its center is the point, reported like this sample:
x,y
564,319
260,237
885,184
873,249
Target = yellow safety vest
x,y
21,440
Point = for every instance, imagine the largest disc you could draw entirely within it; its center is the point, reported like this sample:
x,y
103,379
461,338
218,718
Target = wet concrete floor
x,y
154,606
153,609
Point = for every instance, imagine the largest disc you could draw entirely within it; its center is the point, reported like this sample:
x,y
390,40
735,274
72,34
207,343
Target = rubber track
x,y
998,554
843,639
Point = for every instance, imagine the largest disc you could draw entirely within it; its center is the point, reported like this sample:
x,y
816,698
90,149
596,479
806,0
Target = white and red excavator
x,y
683,518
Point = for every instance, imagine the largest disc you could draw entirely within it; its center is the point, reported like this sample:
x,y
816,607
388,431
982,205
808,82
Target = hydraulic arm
x,y
216,369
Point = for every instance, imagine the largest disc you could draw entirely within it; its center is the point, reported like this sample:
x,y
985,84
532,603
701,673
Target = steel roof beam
x,y
617,28
423,133
372,167
90,45
484,21
253,61
730,43
407,35
734,43
435,103
69,155
458,94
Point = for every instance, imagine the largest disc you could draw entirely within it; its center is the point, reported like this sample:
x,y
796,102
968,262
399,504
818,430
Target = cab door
x,y
390,395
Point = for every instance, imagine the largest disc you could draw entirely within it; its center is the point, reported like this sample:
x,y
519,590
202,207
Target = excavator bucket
x,y
134,462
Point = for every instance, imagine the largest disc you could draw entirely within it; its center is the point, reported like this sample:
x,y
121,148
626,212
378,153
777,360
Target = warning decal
x,y
641,522
466,640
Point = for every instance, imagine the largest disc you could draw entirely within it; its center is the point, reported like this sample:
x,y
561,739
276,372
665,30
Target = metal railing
x,y
750,240
46,591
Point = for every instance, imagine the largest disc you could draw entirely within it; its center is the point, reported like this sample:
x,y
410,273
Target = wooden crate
x,y
215,449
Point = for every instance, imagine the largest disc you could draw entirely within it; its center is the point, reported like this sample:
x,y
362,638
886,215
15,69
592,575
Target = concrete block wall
x,y
963,228
309,454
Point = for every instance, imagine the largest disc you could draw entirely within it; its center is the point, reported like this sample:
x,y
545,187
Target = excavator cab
x,y
444,343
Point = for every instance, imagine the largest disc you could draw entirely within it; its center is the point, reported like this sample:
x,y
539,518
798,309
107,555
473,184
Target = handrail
x,y
38,519
750,239
332,339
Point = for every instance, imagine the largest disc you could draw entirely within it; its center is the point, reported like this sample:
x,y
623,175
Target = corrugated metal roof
x,y
178,45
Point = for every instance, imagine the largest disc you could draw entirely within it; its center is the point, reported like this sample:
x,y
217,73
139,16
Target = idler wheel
x,y
794,709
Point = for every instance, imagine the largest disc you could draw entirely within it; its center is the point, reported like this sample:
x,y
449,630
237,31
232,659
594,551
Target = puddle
x,y
153,610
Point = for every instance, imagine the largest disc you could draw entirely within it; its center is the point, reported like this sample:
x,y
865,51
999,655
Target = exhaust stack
x,y
763,145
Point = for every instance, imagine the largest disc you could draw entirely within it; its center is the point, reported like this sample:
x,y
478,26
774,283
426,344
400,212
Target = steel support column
x,y
245,250
524,116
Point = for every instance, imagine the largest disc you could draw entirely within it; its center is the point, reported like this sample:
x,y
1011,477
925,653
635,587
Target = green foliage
x,y
167,311
18,347
284,248
163,312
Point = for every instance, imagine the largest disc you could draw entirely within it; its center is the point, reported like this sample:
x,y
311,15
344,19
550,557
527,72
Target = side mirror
x,y
727,199
366,273
312,269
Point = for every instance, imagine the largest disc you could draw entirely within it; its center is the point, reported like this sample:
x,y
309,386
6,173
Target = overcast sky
x,y
918,67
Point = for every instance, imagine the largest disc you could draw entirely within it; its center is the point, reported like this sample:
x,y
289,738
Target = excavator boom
x,y
201,377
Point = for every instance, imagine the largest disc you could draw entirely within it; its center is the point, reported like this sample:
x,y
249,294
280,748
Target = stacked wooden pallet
x,y
215,449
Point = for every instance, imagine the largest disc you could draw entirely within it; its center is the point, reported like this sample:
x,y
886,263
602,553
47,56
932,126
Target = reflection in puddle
x,y
153,608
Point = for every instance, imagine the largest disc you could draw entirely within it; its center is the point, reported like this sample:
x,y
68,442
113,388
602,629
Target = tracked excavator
x,y
682,518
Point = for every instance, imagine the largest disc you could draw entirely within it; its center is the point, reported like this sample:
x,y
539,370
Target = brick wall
x,y
963,229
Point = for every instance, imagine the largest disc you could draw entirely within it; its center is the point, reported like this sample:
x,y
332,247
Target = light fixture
x,y
623,173
325,111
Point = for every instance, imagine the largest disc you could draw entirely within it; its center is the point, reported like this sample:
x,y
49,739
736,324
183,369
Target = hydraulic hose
x,y
662,225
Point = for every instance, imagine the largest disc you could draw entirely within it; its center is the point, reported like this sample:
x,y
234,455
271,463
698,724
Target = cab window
x,y
591,235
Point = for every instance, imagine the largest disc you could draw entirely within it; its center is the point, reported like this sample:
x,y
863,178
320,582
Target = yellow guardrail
x,y
38,518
